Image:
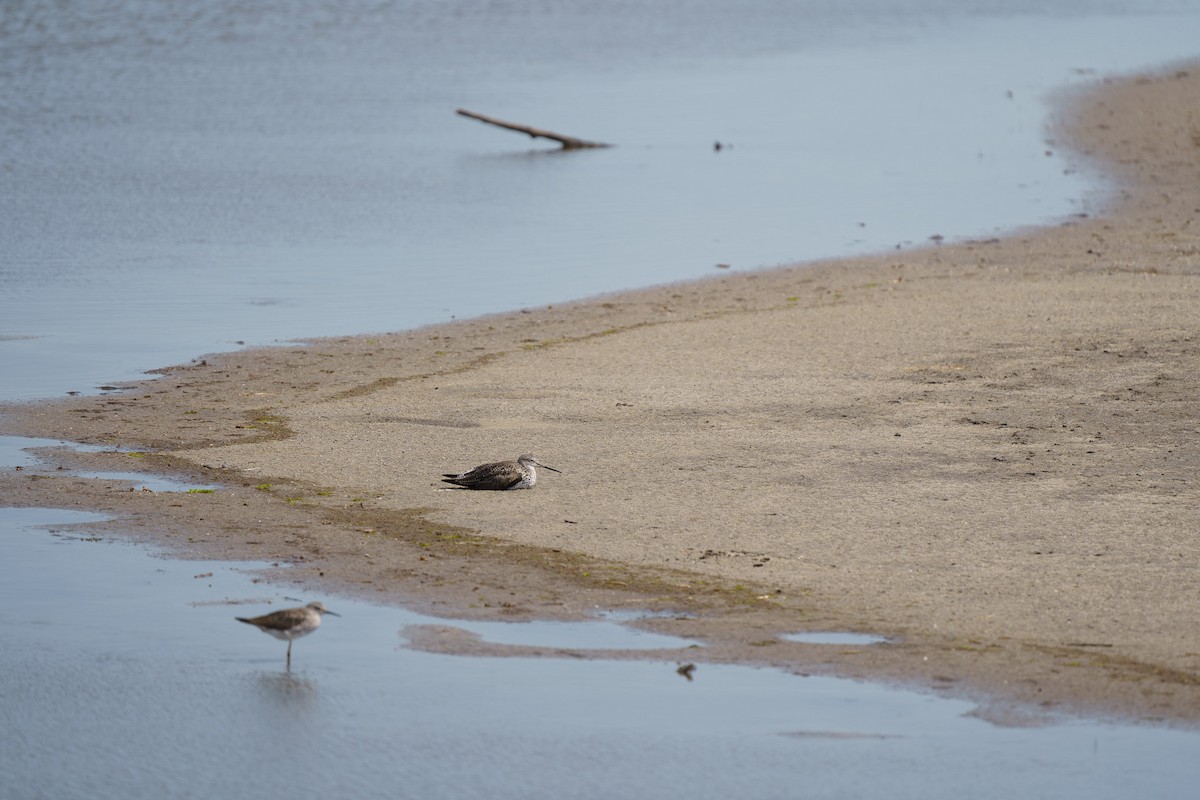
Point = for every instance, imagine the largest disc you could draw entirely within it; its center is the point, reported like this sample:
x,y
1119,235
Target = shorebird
x,y
290,623
501,475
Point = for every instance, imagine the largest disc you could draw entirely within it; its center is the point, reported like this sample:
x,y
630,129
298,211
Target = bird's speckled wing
x,y
276,620
498,476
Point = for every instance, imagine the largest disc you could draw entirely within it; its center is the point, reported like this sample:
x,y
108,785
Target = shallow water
x,y
125,675
152,483
595,635
180,181
17,451
835,638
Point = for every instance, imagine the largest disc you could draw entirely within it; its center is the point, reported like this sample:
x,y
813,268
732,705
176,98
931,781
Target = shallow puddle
x,y
596,635
835,638
16,451
126,675
141,480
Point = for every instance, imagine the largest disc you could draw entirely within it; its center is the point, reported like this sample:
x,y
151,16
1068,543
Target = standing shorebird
x,y
519,474
290,623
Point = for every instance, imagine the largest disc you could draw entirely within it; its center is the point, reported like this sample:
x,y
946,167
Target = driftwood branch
x,y
567,142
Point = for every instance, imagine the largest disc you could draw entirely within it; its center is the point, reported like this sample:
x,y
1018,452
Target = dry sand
x,y
987,450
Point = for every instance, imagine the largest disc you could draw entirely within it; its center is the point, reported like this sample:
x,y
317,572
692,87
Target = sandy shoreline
x,y
986,450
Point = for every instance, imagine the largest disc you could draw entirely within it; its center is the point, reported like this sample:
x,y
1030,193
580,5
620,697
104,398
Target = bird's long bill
x,y
552,469
332,613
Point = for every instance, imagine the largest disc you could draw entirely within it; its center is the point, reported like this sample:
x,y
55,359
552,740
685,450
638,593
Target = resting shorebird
x,y
290,623
519,474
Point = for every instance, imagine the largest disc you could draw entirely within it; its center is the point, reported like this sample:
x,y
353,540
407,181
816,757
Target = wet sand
x,y
986,450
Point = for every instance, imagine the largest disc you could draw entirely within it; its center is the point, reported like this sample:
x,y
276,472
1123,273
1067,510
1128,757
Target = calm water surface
x,y
179,179
125,675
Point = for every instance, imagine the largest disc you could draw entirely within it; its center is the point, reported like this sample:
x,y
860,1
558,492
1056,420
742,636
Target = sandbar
x,y
986,451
